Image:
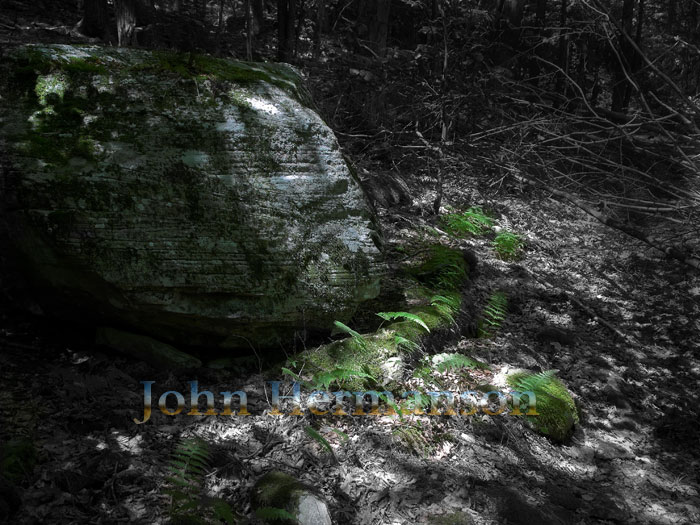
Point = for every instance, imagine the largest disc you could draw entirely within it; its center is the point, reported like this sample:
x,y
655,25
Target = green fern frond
x,y
445,362
452,302
473,221
402,341
325,379
187,468
494,314
340,433
445,269
313,433
390,316
556,408
357,337
508,245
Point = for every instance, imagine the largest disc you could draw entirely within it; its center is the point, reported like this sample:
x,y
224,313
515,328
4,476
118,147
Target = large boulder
x,y
198,200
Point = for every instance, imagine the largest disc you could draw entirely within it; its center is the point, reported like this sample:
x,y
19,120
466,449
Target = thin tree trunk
x,y
286,29
563,45
95,18
373,25
635,54
541,22
291,29
321,26
248,29
220,26
624,62
125,12
258,16
300,17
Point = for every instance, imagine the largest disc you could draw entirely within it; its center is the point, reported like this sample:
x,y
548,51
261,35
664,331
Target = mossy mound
x,y
557,413
279,498
432,299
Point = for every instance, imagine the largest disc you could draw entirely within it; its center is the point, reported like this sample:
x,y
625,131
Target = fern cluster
x,y
494,314
509,246
413,439
187,469
555,406
446,305
444,270
274,494
451,362
473,221
325,378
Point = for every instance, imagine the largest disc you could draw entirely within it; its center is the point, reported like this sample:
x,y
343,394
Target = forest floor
x,y
632,361
631,358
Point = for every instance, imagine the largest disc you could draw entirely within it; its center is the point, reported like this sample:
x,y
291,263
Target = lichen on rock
x,y
196,199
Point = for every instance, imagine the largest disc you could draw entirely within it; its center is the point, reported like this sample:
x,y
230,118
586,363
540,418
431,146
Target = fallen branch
x,y
670,251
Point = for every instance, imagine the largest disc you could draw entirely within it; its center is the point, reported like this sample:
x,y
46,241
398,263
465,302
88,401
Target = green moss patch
x,y
555,406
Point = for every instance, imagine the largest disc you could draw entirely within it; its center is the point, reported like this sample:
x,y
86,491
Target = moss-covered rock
x,y
556,409
279,498
197,199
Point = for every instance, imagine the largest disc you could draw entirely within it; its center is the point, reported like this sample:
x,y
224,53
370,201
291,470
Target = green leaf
x,y
402,341
355,335
319,438
342,434
390,316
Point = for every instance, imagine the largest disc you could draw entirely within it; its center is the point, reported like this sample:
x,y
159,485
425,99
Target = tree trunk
x,y
541,22
513,11
563,46
248,29
373,18
291,29
321,26
623,61
125,12
95,18
286,29
635,59
258,16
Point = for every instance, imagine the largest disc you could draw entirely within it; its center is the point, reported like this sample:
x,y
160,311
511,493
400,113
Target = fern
x,y
555,407
411,436
473,221
340,433
447,362
357,337
392,404
446,306
493,315
402,341
445,269
508,245
314,434
323,380
390,316
187,468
